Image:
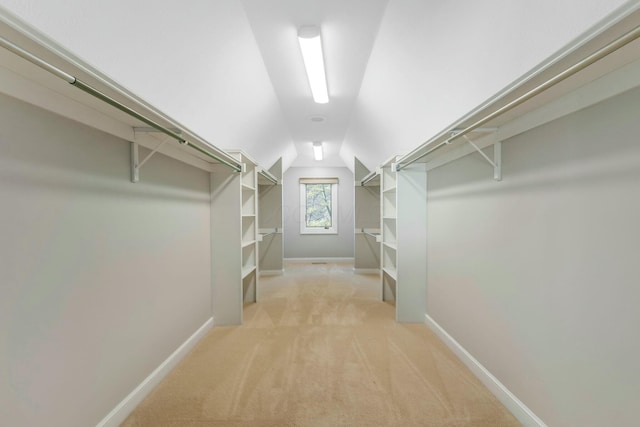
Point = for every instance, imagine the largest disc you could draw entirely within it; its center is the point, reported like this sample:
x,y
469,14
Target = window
x,y
318,205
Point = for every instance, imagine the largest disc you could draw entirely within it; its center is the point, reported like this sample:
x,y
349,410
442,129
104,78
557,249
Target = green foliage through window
x,y
318,205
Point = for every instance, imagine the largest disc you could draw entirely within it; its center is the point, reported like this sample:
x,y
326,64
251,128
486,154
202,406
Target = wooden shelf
x,y
247,271
390,272
389,199
248,243
391,245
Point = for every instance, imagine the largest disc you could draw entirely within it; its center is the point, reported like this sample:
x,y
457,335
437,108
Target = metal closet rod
x,y
269,176
447,137
368,178
105,98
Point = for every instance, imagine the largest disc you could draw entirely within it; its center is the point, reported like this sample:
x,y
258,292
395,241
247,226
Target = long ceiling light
x,y
317,150
311,47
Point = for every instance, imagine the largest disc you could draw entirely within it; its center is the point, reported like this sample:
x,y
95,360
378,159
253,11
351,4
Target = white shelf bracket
x,y
135,164
497,157
135,175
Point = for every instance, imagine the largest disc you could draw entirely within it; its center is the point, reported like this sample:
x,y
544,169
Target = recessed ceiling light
x,y
311,48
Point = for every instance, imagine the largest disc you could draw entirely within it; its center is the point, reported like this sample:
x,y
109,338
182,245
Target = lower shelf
x,y
248,270
389,285
390,272
250,286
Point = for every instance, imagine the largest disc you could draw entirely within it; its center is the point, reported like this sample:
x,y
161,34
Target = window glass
x,y
318,205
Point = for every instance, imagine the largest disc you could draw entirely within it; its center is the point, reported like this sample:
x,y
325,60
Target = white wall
x,y
435,60
100,279
317,246
366,215
537,275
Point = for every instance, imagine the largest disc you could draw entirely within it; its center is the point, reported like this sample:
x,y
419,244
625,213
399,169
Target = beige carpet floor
x,y
320,349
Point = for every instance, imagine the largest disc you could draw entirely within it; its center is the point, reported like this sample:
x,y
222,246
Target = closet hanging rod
x,y
269,233
449,136
269,176
368,178
107,99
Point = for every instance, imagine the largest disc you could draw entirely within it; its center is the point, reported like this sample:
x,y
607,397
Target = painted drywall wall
x,y
199,64
434,61
270,249
536,276
100,279
317,246
367,215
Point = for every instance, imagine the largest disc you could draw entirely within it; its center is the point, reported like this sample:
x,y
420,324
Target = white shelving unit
x,y
388,220
404,241
367,220
270,243
234,247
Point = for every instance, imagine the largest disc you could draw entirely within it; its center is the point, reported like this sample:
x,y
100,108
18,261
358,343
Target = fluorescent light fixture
x,y
317,150
311,48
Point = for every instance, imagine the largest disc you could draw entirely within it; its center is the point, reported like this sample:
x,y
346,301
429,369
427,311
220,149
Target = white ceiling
x,y
348,30
399,71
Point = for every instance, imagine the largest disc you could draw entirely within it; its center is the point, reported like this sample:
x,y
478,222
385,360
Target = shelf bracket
x,y
136,164
497,157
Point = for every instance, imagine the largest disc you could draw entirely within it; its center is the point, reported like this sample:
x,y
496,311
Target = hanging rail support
x,y
497,157
135,170
135,164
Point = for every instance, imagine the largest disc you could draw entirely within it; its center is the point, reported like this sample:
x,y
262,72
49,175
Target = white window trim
x,y
334,212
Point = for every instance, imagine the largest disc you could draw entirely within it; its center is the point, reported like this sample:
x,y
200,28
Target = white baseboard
x,y
271,272
296,260
366,270
129,403
508,399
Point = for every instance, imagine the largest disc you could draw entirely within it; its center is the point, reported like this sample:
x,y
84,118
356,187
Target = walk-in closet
x,y
371,212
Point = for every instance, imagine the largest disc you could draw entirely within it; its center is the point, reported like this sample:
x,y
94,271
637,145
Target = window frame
x,y
303,206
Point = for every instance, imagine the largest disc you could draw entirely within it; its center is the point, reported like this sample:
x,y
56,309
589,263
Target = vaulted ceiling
x,y
398,71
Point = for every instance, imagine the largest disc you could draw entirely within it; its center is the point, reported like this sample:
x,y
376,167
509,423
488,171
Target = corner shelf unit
x,y
234,246
403,206
388,220
367,237
270,243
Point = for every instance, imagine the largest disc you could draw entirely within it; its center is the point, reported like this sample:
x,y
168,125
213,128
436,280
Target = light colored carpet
x,y
319,349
